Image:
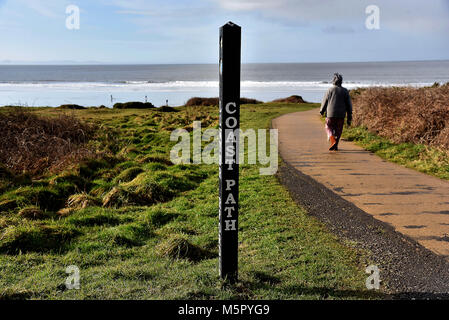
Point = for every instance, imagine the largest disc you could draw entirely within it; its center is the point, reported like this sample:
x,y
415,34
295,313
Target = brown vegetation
x,y
133,105
291,99
417,115
71,107
198,101
32,144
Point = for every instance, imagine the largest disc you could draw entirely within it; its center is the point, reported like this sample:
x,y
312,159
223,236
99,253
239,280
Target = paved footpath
x,y
414,203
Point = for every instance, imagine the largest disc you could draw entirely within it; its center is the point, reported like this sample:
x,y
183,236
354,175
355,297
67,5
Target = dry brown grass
x,y
34,144
416,115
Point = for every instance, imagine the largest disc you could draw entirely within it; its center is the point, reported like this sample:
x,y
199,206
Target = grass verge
x,y
420,157
139,227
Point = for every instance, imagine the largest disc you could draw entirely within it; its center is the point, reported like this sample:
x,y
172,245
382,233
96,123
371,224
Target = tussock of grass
x,y
15,294
95,217
101,188
178,247
155,159
31,213
159,217
81,201
35,237
128,174
8,204
50,198
147,189
81,183
119,197
128,235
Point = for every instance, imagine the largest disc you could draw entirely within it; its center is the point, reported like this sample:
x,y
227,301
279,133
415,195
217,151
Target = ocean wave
x,y
177,85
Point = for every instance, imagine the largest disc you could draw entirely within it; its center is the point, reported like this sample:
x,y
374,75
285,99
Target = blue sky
x,y
168,31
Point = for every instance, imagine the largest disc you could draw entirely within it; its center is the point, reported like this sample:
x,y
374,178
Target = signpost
x,y
230,39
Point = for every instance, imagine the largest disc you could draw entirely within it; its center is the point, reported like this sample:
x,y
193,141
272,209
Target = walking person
x,y
336,104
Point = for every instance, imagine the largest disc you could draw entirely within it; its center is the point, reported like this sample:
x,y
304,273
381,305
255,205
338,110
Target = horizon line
x,y
80,63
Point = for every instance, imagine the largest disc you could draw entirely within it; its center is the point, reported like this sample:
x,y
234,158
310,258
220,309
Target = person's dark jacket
x,y
337,103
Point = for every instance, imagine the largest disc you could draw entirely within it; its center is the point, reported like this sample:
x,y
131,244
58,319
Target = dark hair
x,y
338,79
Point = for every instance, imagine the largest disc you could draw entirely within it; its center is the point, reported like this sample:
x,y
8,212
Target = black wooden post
x,y
230,38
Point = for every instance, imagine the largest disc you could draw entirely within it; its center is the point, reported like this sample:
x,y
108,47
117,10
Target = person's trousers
x,y
334,127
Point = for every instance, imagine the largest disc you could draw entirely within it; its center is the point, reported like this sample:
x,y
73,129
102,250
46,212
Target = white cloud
x,y
398,15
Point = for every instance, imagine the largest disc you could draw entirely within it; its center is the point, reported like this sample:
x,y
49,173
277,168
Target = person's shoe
x,y
333,143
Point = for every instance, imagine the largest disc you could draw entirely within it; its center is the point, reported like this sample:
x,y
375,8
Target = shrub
x,y
416,115
167,109
199,101
34,143
71,106
291,99
134,105
249,101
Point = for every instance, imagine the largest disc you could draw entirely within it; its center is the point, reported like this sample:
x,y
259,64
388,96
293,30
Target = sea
x,y
174,84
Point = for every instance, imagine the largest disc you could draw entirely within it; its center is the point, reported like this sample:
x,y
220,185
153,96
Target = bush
x,y
416,115
198,101
167,109
249,101
134,105
31,143
71,106
291,99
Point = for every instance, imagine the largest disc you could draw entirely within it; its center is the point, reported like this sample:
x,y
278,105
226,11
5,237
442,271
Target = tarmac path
x,y
414,204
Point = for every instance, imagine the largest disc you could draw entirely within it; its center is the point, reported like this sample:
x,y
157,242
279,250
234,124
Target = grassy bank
x,y
139,227
420,157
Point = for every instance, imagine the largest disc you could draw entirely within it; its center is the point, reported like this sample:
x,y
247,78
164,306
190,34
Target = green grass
x,y
419,157
157,236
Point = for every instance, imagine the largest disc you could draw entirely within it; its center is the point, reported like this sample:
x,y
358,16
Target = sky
x,y
168,31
